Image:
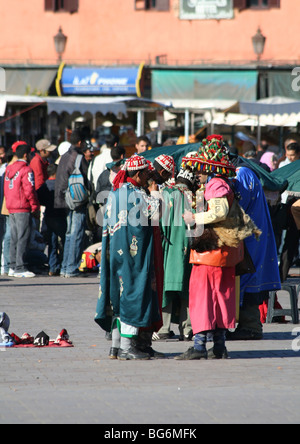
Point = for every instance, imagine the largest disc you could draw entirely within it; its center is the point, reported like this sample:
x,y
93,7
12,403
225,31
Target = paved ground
x,y
260,383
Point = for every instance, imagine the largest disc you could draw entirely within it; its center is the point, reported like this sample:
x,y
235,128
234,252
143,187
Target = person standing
x,y
216,251
21,202
40,163
291,236
142,144
55,220
76,219
175,305
98,164
128,298
255,287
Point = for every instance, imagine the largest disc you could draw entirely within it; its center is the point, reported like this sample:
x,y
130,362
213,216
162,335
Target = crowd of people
x,y
195,245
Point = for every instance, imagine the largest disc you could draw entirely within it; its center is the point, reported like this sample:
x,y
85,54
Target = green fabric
x,y
175,244
291,173
200,84
127,261
269,181
176,151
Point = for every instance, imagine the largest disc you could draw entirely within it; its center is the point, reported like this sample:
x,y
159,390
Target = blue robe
x,y
263,252
127,274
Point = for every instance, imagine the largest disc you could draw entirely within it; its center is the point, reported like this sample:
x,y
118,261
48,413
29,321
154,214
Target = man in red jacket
x,y
39,163
21,201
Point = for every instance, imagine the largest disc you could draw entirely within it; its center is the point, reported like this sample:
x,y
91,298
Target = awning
x,y
15,99
84,105
104,105
271,105
198,105
204,84
29,81
100,81
284,83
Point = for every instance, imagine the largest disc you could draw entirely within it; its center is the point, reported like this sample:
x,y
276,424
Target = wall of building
x,y
111,30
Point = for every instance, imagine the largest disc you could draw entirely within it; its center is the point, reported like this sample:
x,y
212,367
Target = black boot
x,y
190,354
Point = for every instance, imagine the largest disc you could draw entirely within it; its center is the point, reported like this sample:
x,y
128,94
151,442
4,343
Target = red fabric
x,y
212,298
26,341
130,180
39,167
19,191
263,308
120,179
51,344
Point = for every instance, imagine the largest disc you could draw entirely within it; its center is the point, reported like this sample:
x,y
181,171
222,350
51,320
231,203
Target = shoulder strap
x,y
78,161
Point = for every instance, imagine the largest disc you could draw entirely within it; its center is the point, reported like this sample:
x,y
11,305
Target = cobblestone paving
x,y
80,385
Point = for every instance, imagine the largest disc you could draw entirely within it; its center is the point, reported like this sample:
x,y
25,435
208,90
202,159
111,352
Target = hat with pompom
x,y
212,158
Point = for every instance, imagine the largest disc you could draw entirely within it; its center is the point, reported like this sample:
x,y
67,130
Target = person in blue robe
x,y
255,287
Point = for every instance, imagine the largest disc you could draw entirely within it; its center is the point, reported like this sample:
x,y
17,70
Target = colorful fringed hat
x,y
134,163
167,162
212,158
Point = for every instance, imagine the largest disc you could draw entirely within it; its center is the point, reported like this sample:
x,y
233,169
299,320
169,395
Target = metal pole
x,y
186,125
140,123
258,131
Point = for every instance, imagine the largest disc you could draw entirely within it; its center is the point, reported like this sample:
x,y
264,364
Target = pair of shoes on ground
x,y
134,353
23,274
193,354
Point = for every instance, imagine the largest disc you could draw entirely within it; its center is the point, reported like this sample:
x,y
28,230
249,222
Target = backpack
x,y
76,193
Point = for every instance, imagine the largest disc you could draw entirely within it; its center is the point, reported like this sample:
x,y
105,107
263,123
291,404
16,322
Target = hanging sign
x,y
101,81
206,9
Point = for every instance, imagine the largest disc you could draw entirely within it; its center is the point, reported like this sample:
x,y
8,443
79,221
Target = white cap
x,y
64,148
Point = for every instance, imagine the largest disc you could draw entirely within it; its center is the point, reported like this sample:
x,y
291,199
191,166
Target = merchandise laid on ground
x,y
11,340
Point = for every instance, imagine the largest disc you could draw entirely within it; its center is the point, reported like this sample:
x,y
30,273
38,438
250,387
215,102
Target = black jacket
x,y
64,171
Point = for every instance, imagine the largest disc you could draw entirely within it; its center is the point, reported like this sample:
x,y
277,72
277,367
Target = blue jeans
x,y
56,229
76,222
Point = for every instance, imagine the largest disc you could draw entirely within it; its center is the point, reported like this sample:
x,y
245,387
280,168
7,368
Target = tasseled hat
x,y
212,158
167,162
134,163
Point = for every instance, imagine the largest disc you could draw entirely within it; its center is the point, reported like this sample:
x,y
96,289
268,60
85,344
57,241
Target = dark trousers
x,y
56,234
20,229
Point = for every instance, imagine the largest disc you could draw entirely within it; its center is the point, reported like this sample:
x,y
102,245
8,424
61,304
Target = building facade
x,y
196,55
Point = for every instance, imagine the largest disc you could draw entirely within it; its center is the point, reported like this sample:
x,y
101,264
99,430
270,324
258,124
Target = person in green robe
x,y
128,298
176,250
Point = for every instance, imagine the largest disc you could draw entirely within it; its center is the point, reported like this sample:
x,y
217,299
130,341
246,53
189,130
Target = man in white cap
x,y
39,163
63,148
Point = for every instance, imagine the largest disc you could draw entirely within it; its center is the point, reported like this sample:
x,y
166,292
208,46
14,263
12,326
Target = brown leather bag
x,y
222,257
